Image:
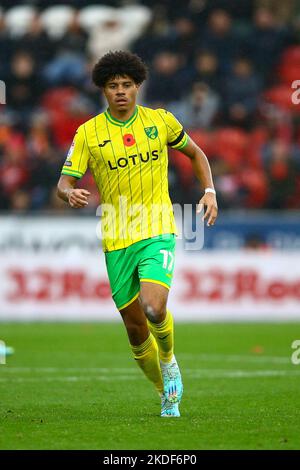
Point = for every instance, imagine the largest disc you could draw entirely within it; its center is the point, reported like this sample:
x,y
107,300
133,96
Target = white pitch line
x,y
244,373
205,357
83,378
238,358
196,374
68,369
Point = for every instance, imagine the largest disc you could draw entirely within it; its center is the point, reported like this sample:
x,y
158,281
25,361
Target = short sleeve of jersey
x,y
78,156
177,138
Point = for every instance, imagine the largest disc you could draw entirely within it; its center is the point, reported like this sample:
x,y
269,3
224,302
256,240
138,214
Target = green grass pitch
x,y
75,386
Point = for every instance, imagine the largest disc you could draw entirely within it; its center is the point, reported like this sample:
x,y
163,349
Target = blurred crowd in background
x,y
224,68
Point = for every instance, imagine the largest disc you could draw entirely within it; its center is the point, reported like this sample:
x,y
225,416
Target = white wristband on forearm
x,y
210,190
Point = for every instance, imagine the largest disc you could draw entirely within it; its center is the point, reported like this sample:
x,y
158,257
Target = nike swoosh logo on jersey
x,y
104,143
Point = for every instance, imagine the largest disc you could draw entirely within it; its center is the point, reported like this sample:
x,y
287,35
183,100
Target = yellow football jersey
x,y
129,162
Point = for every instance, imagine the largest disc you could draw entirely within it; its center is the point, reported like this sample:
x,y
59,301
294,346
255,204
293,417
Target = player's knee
x,y
155,310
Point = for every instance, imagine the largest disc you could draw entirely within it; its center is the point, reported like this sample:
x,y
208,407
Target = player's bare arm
x,y
66,190
203,173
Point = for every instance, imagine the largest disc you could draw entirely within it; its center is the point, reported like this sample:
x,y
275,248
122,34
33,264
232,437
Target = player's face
x,y
120,93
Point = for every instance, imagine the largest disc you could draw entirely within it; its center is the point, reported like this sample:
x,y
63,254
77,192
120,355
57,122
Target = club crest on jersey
x,y
128,140
151,132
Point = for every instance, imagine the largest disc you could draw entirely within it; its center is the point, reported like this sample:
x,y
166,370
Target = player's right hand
x,y
78,198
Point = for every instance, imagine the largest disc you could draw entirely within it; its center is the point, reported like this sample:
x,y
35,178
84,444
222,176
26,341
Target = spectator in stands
x,y
226,183
75,38
37,42
220,38
283,11
166,84
13,166
67,68
242,88
295,22
43,160
20,201
68,118
182,38
24,88
176,190
90,91
199,109
6,48
281,163
238,10
206,69
155,38
194,47
266,42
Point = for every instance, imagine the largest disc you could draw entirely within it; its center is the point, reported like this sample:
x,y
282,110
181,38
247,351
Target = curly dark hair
x,y
119,63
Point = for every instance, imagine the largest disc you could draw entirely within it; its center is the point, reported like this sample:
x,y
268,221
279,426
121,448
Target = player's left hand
x,y
209,201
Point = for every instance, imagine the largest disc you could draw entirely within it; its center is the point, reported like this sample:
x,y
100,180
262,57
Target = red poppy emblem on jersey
x,y
128,140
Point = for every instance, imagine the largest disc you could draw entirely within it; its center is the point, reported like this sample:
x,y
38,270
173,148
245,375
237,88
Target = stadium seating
x,y
289,66
291,55
58,104
281,96
254,183
232,144
288,72
203,139
184,168
58,98
276,115
257,138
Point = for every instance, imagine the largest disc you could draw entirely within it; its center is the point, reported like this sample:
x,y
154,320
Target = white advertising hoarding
x,y
53,269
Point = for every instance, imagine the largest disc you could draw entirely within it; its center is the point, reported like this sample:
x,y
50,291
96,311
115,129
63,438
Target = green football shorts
x,y
150,260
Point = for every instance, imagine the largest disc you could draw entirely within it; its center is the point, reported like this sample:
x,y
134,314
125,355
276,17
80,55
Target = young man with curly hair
x,y
125,148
